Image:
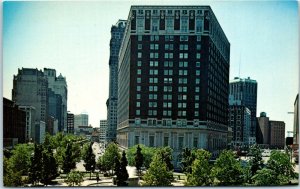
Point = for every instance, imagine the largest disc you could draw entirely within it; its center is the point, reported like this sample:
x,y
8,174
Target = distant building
x,y
85,131
173,80
50,125
30,122
30,88
271,134
277,134
102,134
296,122
70,123
80,120
59,86
240,122
40,131
245,91
117,32
14,124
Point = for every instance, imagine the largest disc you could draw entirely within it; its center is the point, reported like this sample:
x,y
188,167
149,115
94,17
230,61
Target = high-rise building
x,y
14,124
102,130
240,121
30,122
296,122
117,32
60,97
245,91
30,88
80,120
70,123
173,79
271,134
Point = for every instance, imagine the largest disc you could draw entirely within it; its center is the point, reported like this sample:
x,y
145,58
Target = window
x,y
139,71
198,55
136,139
198,37
180,142
138,80
139,63
198,64
197,72
184,24
140,37
168,64
196,113
197,89
151,141
195,142
196,105
197,81
138,96
166,141
198,47
138,104
199,25
184,38
139,55
140,46
137,112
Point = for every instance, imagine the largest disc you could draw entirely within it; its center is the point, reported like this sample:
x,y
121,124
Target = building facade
x,y
296,122
102,131
173,79
240,122
277,134
245,91
271,134
70,123
80,120
30,122
117,32
60,97
14,123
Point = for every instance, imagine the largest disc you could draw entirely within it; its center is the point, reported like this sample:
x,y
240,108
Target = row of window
x,y
168,97
168,37
167,64
169,55
168,72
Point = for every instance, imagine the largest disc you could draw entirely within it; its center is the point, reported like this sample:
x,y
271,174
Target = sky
x,y
73,38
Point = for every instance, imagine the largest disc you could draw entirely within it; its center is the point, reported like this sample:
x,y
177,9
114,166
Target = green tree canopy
x,y
227,169
281,165
10,178
74,178
265,177
20,159
158,173
147,152
69,161
49,169
35,168
166,156
187,159
107,160
256,161
200,170
89,159
139,159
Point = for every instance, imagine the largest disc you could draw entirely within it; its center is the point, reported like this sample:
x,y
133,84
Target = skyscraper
x,y
70,125
30,88
80,120
117,32
102,130
59,97
173,79
245,91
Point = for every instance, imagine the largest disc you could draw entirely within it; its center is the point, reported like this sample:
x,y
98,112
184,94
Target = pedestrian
x,y
97,177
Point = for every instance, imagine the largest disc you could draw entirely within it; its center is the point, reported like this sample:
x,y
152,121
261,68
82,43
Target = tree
x,y
166,156
227,169
35,170
265,177
123,174
280,163
200,170
49,167
10,178
139,159
20,159
107,159
158,173
89,159
147,152
74,178
256,162
69,162
187,159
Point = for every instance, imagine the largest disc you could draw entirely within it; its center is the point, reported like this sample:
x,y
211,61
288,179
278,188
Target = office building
x,y
296,123
70,123
245,91
80,120
102,130
173,79
240,122
14,124
270,134
30,122
59,99
117,32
